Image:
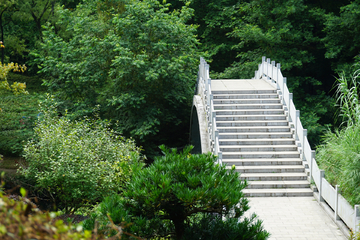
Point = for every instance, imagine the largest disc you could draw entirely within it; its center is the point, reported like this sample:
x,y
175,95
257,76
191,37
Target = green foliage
x,y
354,236
21,220
236,34
17,116
162,200
78,162
339,155
342,34
138,62
213,227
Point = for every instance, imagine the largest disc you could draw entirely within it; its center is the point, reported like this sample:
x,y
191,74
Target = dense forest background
x,y
135,62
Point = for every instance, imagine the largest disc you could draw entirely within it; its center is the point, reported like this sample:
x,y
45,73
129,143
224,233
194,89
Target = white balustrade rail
x,y
204,89
342,209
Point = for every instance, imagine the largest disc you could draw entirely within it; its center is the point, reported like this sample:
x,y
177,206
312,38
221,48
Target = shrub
x,y
17,111
20,219
78,161
17,117
213,227
16,222
339,155
162,200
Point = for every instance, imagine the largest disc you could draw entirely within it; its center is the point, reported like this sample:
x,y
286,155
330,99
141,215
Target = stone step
x,y
287,192
245,96
250,117
252,123
256,129
248,101
262,161
270,154
261,141
250,112
277,184
273,176
256,135
269,169
258,148
247,106
229,92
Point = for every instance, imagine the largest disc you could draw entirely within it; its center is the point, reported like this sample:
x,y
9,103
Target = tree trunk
x,y
179,228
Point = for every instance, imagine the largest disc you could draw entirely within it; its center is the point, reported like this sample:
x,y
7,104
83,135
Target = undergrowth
x,y
339,155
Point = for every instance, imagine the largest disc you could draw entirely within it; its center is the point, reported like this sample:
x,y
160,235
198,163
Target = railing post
x,y
261,71
207,72
303,143
288,107
357,218
263,60
312,158
273,71
208,103
215,136
322,175
336,216
278,70
268,68
297,115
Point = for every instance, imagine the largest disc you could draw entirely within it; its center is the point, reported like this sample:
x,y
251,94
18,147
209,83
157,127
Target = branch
x,y
208,210
45,8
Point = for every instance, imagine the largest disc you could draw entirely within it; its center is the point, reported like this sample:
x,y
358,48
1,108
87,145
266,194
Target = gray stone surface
x,y
293,218
240,84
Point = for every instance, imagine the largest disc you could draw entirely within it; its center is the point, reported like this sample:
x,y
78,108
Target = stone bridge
x,y
254,125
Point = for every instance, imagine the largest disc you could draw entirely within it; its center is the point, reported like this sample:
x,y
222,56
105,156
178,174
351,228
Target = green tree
x,y
163,199
38,11
343,36
288,32
137,61
78,162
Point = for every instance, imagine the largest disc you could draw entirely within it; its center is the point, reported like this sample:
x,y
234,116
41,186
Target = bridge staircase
x,y
256,137
252,125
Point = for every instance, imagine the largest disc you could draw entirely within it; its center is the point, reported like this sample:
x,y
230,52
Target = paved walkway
x,y
290,218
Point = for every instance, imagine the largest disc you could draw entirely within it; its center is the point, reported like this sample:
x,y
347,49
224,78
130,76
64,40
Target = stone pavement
x,y
290,218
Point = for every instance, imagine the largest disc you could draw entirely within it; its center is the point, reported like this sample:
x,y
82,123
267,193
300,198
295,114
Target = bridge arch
x,y
199,135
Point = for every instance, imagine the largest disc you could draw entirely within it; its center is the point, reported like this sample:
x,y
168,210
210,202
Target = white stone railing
x,y
204,90
341,208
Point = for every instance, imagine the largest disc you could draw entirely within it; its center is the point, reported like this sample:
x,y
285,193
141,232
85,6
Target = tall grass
x,y
339,155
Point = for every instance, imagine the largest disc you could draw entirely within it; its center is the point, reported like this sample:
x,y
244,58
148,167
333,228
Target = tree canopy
x,y
134,59
138,59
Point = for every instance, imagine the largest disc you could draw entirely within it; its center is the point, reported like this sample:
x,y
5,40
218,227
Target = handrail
x,y
342,209
204,89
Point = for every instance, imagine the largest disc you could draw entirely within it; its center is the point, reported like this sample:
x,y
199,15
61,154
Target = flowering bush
x,y
78,162
17,88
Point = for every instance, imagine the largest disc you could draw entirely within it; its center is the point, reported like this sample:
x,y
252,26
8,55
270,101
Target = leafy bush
x,y
78,161
21,220
17,87
162,200
16,111
17,117
213,227
339,156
